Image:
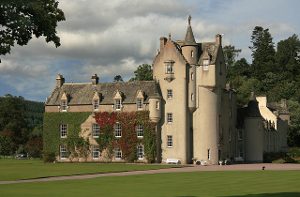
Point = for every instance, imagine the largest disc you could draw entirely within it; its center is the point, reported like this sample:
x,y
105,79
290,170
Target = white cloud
x,y
114,37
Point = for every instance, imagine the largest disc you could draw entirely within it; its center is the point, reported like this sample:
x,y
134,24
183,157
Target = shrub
x,y
49,157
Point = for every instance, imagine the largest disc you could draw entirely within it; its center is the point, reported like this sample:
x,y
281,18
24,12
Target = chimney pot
x,y
95,79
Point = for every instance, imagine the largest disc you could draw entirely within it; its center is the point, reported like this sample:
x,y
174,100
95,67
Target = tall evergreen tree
x,y
262,52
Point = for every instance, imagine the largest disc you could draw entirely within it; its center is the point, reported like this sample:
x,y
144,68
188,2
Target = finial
x,y
189,19
169,36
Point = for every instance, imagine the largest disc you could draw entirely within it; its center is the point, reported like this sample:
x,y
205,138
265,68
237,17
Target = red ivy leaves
x,y
128,120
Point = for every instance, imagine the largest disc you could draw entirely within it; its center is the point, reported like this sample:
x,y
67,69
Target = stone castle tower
x,y
191,77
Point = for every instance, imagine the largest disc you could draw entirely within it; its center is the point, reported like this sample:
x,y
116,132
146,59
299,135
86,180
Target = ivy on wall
x,y
78,147
51,130
129,141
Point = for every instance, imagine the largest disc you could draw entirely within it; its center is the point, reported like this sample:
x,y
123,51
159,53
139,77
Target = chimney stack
x,y
95,79
219,39
163,41
60,80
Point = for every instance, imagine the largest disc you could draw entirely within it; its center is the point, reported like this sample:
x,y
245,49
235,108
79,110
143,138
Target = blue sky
x,y
114,37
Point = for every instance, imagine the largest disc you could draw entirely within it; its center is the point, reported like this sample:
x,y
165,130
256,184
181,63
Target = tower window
x,y
208,154
169,140
157,104
192,97
169,117
169,67
192,53
169,93
192,76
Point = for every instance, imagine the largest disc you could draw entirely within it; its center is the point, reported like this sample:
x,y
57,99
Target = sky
x,y
113,37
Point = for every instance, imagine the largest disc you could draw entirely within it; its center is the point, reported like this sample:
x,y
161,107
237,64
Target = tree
x,y
262,52
230,54
20,19
143,73
288,56
118,78
239,68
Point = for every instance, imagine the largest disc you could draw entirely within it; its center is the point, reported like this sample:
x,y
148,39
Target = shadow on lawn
x,y
281,194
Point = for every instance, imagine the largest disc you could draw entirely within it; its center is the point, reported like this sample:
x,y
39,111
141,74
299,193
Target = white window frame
x,y
118,130
140,131
140,152
169,93
169,141
118,154
95,130
205,64
96,105
63,152
63,105
170,118
118,104
169,68
139,103
95,152
63,130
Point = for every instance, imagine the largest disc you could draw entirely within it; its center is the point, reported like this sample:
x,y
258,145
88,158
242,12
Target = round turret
x,y
190,47
155,108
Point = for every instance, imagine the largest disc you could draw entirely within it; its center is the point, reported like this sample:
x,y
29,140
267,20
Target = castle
x,y
194,112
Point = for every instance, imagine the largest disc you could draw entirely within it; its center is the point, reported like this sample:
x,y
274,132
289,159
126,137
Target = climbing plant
x,y
129,141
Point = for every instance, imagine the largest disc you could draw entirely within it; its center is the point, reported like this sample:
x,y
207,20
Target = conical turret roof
x,y
189,36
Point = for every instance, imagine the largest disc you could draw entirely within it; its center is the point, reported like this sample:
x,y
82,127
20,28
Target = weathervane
x,y
189,19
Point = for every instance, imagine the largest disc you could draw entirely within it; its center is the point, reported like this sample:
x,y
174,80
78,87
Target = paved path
x,y
236,167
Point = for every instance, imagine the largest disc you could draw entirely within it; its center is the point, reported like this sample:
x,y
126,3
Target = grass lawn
x,y
12,169
228,183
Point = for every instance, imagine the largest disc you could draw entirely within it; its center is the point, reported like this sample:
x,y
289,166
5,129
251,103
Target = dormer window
x,y
169,67
96,101
118,101
118,104
139,103
96,105
140,100
63,105
205,64
64,102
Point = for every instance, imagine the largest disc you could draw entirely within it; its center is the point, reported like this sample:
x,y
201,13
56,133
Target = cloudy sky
x,y
114,37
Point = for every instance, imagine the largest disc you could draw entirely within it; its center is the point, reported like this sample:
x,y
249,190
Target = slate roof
x,y
83,93
189,37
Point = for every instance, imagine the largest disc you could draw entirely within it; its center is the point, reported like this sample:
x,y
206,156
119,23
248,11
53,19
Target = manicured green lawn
x,y
12,169
229,183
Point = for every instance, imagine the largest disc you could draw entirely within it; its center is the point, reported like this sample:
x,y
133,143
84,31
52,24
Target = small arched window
x,y
192,53
192,76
